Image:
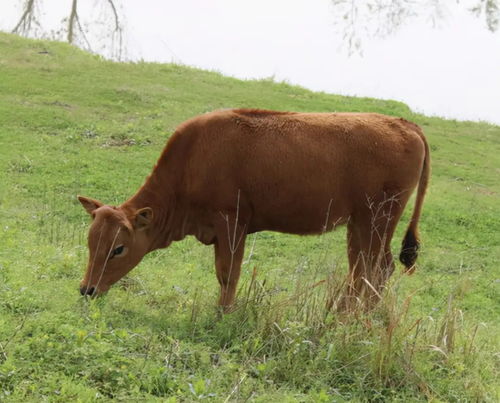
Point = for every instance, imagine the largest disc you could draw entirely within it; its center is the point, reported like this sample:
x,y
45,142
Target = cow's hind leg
x,y
370,259
229,248
383,218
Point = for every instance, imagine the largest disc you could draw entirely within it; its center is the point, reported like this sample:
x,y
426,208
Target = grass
x,y
72,123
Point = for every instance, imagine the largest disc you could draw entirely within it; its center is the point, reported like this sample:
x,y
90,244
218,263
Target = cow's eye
x,y
118,251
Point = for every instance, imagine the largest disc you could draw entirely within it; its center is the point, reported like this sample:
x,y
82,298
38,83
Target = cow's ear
x,y
143,218
89,204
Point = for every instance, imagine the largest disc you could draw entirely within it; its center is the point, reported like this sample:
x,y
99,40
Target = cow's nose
x,y
87,290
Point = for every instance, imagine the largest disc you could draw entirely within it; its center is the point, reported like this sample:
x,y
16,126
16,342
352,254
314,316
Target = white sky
x,y
452,70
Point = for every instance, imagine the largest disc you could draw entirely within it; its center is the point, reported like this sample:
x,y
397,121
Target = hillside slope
x,y
72,123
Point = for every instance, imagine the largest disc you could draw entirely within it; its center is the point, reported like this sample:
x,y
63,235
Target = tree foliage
x,y
358,19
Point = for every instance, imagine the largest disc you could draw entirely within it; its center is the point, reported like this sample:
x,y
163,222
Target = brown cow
x,y
230,173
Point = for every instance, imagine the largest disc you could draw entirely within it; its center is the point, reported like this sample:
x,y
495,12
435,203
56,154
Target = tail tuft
x,y
409,251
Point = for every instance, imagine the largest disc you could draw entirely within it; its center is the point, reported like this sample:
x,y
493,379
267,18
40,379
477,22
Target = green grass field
x,y
72,123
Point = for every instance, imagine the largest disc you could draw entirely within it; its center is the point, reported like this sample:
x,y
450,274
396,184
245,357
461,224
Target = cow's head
x,y
117,242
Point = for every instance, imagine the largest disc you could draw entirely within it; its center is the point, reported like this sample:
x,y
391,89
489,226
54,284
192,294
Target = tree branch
x,y
26,18
71,21
115,13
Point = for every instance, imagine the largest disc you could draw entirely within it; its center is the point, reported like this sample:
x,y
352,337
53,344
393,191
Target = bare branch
x,y
83,33
72,20
117,30
24,23
117,20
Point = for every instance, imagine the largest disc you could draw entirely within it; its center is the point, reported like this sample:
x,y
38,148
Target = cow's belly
x,y
298,215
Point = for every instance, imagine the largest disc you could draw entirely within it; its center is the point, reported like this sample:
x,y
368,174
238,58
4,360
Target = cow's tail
x,y
411,244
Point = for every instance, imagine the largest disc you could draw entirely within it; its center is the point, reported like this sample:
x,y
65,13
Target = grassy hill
x,y
72,123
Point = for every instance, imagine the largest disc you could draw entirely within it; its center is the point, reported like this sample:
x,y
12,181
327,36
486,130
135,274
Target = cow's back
x,y
293,172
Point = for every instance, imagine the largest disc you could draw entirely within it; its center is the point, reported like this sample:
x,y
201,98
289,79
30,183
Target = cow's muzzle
x,y
85,290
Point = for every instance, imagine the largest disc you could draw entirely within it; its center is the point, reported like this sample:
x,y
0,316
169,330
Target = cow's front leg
x,y
229,249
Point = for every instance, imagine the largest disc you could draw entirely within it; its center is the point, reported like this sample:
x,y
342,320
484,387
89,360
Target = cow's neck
x,y
170,222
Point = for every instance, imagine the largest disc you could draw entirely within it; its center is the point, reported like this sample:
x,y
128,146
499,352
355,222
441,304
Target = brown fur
x,y
229,173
